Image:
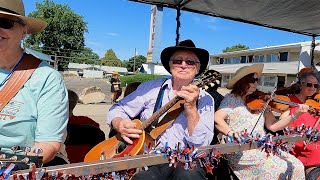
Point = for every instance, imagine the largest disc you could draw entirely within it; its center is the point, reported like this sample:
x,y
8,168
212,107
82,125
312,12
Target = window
x,y
236,60
228,61
221,61
226,78
269,81
250,59
274,57
271,57
268,58
258,58
243,59
284,56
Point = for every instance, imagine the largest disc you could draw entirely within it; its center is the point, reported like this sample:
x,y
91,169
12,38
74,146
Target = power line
x,y
57,49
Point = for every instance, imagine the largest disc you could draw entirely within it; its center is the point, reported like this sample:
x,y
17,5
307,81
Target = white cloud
x,y
211,21
112,34
93,43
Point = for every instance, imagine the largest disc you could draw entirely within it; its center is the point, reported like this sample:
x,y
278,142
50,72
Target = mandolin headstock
x,y
20,161
210,79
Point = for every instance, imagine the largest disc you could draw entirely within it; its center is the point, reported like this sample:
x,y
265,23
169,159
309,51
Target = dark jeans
x,y
163,172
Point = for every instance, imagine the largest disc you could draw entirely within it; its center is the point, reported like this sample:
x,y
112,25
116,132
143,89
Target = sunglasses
x,y
188,62
7,23
316,85
254,80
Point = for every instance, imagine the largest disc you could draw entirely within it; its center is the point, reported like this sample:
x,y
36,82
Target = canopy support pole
x,y
313,45
178,24
179,6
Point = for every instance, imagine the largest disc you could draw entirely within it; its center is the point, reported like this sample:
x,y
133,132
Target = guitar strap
x,y
19,77
157,106
156,128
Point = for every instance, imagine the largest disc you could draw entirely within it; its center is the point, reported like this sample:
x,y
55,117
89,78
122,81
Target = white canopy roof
x,y
299,16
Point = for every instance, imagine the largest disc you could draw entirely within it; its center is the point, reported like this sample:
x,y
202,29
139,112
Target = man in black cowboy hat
x,y
192,127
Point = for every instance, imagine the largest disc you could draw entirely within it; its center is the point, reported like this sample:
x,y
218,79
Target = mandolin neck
x,y
160,112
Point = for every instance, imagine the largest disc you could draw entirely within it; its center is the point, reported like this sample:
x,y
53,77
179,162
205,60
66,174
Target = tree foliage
x,y
86,56
64,34
139,60
140,77
237,47
111,59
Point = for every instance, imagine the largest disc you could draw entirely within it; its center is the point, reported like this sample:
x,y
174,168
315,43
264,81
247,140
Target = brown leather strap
x,y
19,77
168,119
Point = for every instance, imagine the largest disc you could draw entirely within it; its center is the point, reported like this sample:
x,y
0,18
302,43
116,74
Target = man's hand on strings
x,y
127,129
190,94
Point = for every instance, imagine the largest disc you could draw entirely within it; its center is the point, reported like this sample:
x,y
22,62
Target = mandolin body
x,y
115,147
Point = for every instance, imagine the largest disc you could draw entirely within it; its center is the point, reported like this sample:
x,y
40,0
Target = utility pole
x,y
55,61
134,60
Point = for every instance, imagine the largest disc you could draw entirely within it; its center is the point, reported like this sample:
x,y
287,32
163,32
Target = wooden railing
x,y
117,164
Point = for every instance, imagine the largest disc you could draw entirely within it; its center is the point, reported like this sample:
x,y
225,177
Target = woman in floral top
x,y
233,116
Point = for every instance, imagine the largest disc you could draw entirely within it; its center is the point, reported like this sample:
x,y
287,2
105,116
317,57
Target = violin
x,y
279,103
257,100
315,97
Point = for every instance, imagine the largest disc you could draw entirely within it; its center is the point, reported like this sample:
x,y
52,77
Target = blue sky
x,y
123,25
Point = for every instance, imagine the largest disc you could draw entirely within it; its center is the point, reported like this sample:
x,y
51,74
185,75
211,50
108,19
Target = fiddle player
x,y
306,86
194,126
253,164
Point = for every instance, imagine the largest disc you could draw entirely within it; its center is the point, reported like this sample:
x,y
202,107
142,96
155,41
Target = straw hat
x,y
16,8
243,71
203,55
115,73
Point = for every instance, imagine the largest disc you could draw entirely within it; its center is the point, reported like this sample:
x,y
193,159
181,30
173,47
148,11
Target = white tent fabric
x,y
269,68
155,69
299,16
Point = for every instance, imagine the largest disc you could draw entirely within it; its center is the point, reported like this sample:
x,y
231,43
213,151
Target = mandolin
x,y
116,147
20,161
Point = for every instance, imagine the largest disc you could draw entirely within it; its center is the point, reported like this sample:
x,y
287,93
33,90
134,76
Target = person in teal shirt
x,y
37,115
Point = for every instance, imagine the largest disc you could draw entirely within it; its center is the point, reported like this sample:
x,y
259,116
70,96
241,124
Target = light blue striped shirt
x,y
142,101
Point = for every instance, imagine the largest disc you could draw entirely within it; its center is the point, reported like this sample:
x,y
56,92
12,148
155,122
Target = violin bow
x,y
264,109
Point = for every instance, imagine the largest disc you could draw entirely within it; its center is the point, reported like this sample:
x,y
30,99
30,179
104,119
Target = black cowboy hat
x,y
203,55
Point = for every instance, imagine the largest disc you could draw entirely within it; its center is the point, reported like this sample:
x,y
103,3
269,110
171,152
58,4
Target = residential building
x,y
94,71
282,63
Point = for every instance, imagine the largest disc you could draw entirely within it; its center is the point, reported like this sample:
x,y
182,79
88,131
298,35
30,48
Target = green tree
x,y
86,56
237,47
64,34
111,59
139,60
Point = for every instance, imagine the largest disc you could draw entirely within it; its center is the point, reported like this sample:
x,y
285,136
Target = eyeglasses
x,y
7,23
316,85
188,62
254,80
